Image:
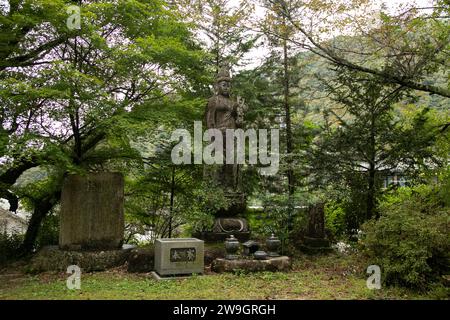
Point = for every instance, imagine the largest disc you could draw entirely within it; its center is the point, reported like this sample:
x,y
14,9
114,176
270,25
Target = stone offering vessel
x,y
273,246
231,248
260,255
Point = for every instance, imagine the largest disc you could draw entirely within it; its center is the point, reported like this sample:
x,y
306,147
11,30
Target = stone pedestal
x,y
91,216
272,264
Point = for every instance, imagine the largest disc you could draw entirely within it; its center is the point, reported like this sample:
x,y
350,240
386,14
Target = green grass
x,y
323,277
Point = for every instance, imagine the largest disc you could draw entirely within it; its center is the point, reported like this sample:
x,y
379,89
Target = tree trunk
x,y
172,194
289,147
371,193
12,199
74,115
41,208
372,170
287,110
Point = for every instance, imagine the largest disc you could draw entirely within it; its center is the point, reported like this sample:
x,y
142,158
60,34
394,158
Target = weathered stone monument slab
x,y
315,240
92,216
179,256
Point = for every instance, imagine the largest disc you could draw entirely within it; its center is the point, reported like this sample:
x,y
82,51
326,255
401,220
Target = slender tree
x,y
278,32
223,25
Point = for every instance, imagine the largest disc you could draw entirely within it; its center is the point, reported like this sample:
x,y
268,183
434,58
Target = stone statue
x,y
223,112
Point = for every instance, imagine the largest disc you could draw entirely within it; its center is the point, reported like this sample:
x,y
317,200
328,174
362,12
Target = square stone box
x,y
179,256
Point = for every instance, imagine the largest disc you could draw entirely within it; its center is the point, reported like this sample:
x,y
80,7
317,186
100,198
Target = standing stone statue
x,y
224,112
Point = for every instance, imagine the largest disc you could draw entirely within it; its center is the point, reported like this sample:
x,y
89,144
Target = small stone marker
x,y
179,256
250,247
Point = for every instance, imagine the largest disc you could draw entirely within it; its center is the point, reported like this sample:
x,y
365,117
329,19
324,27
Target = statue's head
x,y
223,82
223,88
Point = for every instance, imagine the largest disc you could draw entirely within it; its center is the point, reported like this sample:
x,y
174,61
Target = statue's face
x,y
224,88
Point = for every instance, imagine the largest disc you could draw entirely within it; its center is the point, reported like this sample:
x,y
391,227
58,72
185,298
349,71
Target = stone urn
x,y
273,246
231,248
260,255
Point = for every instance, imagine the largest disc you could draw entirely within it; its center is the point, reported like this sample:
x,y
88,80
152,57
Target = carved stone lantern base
x,y
224,227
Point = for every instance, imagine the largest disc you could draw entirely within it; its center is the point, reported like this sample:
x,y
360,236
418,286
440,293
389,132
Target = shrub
x,y
280,217
335,219
9,246
49,231
410,241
